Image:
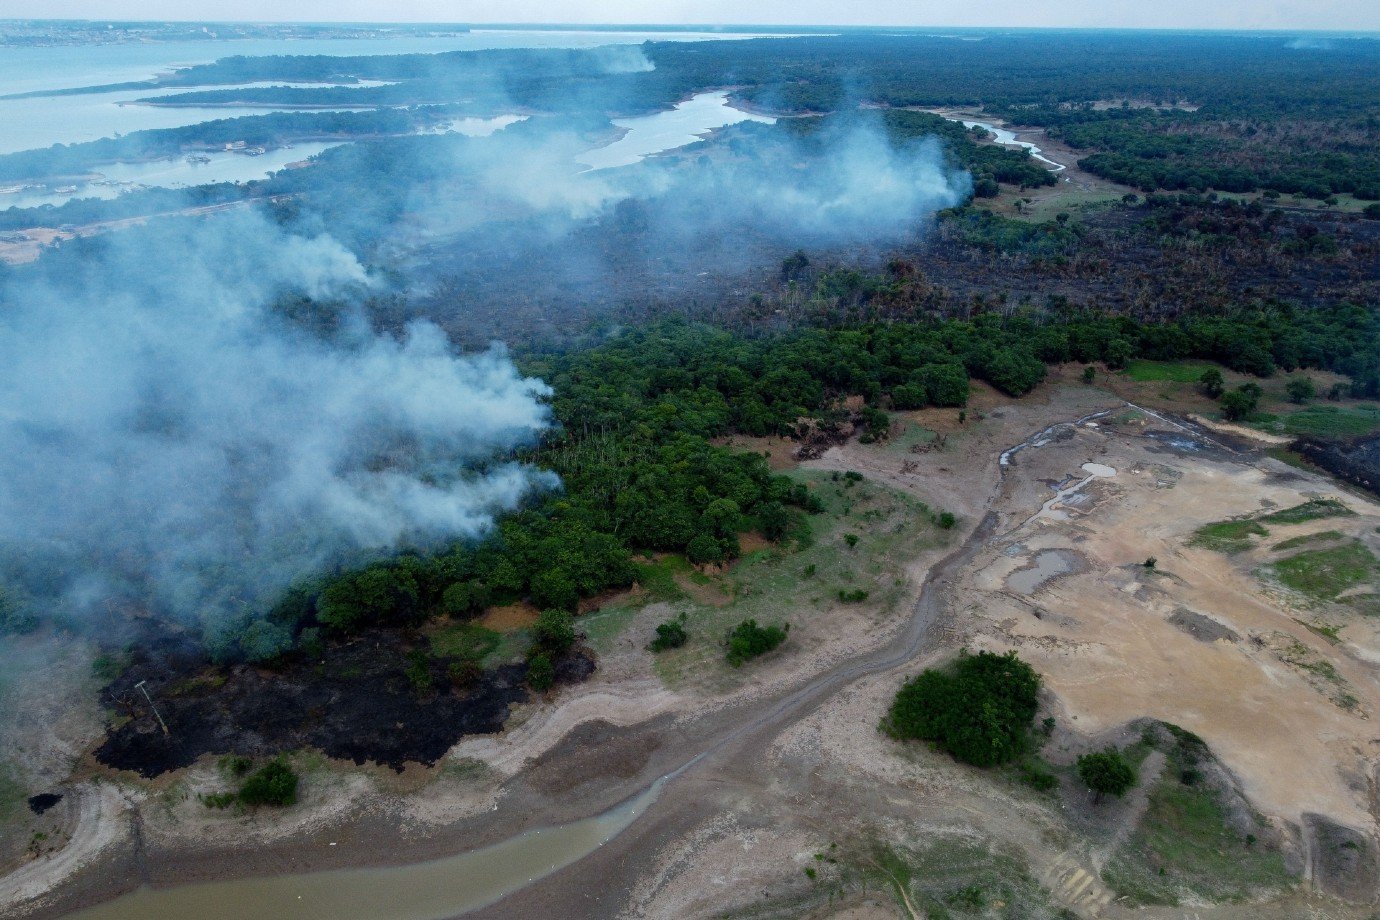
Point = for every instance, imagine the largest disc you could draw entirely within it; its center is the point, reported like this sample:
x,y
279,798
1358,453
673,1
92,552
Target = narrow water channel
x,y
421,891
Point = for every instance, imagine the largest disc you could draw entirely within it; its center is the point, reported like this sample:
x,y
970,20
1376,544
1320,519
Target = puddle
x,y
1046,566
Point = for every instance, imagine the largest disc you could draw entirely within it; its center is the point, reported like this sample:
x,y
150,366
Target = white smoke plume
x,y
174,439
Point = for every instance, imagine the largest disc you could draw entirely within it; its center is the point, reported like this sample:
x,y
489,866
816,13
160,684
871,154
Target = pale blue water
x,y
26,124
687,123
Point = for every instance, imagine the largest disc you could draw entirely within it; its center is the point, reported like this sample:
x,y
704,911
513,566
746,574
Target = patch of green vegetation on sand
x,y
1325,573
1185,847
1314,510
1228,536
1320,537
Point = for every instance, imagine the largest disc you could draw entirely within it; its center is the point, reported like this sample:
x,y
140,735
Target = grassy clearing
x,y
1143,371
1184,846
801,583
1324,421
911,436
1314,510
1323,574
958,878
1228,536
465,640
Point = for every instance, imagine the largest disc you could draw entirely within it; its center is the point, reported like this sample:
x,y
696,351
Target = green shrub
x,y
747,640
855,596
541,674
235,764
669,635
1107,772
979,710
219,800
555,630
274,784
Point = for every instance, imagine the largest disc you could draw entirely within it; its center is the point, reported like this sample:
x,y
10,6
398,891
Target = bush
x,y
555,630
1211,383
747,640
979,710
669,635
1107,772
541,674
274,784
946,520
219,800
1239,403
1300,390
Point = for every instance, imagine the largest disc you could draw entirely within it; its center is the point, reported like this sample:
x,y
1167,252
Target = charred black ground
x,y
357,703
1356,460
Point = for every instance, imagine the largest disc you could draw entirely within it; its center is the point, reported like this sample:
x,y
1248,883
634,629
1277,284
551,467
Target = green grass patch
x,y
1320,537
1286,456
1314,510
658,578
1184,846
1325,573
12,793
952,878
468,641
1325,421
1143,371
1229,536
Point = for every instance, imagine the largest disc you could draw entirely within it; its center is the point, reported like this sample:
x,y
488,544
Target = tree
x,y
1211,383
979,710
704,549
774,520
1300,390
945,384
1106,772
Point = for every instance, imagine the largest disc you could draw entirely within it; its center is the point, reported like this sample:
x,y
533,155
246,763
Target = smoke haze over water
x,y
174,440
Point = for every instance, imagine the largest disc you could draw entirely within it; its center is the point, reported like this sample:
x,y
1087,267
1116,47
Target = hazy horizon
x,y
1330,15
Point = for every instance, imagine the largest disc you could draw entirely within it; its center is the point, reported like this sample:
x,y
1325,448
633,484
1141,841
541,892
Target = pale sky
x,y
1346,15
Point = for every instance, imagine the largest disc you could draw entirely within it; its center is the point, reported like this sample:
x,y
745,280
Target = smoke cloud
x,y
176,437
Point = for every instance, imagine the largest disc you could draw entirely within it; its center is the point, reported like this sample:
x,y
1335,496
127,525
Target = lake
x,y
26,124
686,124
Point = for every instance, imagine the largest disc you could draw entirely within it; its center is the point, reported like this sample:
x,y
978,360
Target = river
x,y
421,891
1008,138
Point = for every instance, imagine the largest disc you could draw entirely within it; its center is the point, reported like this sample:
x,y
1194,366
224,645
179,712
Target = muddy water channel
x,y
421,891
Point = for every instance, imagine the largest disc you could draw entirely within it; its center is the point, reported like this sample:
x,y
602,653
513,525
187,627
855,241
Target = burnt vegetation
x,y
660,339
